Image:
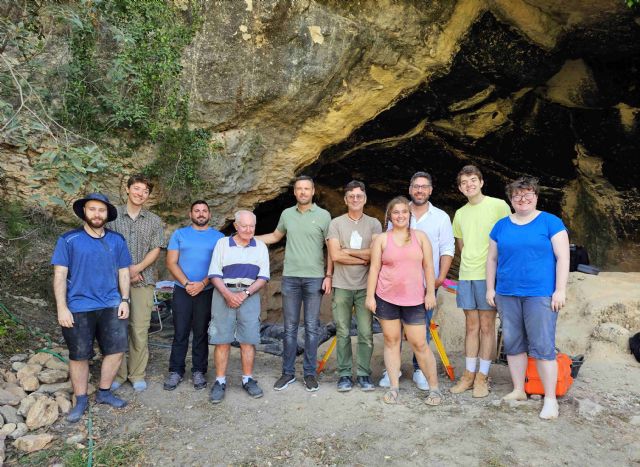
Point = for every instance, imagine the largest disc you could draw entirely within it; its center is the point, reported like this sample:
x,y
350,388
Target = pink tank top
x,y
401,278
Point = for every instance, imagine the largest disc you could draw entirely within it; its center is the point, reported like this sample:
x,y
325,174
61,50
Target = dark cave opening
x,y
527,133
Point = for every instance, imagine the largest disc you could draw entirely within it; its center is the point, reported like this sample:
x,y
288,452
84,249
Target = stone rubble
x,y
34,394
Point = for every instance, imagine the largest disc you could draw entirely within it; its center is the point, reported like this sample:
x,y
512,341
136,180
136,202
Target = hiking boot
x,y
109,398
172,381
344,384
365,384
420,380
311,383
199,381
76,413
480,385
384,381
464,383
283,382
217,392
252,388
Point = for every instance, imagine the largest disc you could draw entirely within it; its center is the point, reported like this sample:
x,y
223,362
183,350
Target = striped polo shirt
x,y
238,265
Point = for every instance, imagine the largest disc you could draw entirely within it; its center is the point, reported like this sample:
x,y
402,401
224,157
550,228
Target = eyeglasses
x,y
527,196
420,187
354,197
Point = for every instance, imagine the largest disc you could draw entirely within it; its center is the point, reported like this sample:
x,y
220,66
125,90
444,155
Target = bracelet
x,y
328,275
203,283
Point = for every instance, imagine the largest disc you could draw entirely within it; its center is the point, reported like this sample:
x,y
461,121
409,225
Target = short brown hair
x,y
303,178
468,170
352,185
420,175
140,178
522,183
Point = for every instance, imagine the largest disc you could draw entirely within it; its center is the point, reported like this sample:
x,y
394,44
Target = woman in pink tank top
x,y
400,288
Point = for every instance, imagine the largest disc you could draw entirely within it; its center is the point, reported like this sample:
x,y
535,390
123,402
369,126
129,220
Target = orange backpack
x,y
533,384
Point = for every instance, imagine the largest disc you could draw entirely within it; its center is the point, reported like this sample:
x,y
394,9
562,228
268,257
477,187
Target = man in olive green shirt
x,y
303,279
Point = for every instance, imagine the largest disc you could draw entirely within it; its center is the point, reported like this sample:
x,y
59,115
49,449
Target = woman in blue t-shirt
x,y
527,272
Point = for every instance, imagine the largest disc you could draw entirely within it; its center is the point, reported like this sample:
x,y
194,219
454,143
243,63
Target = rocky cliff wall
x,y
376,90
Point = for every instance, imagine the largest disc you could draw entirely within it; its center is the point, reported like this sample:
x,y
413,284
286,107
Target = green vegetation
x,y
111,453
632,3
13,338
77,77
182,152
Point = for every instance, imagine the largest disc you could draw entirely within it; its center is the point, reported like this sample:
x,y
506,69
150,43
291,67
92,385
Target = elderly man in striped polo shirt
x,y
239,269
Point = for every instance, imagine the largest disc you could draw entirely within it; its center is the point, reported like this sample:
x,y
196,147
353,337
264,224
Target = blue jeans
x,y
295,292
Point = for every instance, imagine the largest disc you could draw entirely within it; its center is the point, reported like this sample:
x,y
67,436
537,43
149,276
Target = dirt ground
x,y
598,425
294,427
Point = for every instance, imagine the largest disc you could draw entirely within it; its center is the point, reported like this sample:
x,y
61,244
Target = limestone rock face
x,y
378,90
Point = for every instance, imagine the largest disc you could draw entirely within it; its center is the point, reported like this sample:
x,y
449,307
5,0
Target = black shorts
x,y
414,314
102,324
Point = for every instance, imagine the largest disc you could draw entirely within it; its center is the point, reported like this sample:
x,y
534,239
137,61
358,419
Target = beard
x,y
200,222
419,202
96,223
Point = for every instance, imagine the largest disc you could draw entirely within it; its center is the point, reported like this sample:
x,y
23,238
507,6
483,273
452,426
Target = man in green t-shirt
x,y
303,279
471,226
348,241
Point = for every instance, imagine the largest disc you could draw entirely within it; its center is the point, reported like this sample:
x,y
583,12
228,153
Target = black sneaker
x,y
345,384
364,382
311,383
283,382
252,388
199,380
217,392
172,381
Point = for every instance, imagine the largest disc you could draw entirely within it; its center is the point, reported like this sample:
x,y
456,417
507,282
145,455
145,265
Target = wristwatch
x,y
247,292
126,300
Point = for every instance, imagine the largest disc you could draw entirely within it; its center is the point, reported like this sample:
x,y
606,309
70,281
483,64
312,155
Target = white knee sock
x,y
471,364
484,366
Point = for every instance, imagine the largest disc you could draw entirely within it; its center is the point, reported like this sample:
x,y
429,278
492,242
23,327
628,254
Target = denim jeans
x,y
190,314
295,292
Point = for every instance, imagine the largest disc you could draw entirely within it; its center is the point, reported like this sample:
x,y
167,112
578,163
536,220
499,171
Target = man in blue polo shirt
x,y
91,286
239,269
188,256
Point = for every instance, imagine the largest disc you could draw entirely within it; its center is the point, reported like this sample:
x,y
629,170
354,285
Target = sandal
x,y
434,397
391,396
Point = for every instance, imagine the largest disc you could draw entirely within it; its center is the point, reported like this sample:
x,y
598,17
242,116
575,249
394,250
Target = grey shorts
x,y
472,295
230,324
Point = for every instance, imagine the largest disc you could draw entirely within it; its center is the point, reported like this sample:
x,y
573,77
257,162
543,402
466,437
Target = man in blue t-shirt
x,y
188,256
91,286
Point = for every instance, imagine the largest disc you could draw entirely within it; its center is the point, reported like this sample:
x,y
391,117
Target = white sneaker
x,y
420,380
384,381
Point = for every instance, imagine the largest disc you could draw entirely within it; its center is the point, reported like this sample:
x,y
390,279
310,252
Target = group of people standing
x,y
104,280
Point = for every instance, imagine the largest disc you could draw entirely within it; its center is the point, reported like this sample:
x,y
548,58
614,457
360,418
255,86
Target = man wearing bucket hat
x,y
91,286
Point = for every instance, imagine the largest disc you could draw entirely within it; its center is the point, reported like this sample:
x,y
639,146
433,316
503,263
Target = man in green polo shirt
x,y
303,279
